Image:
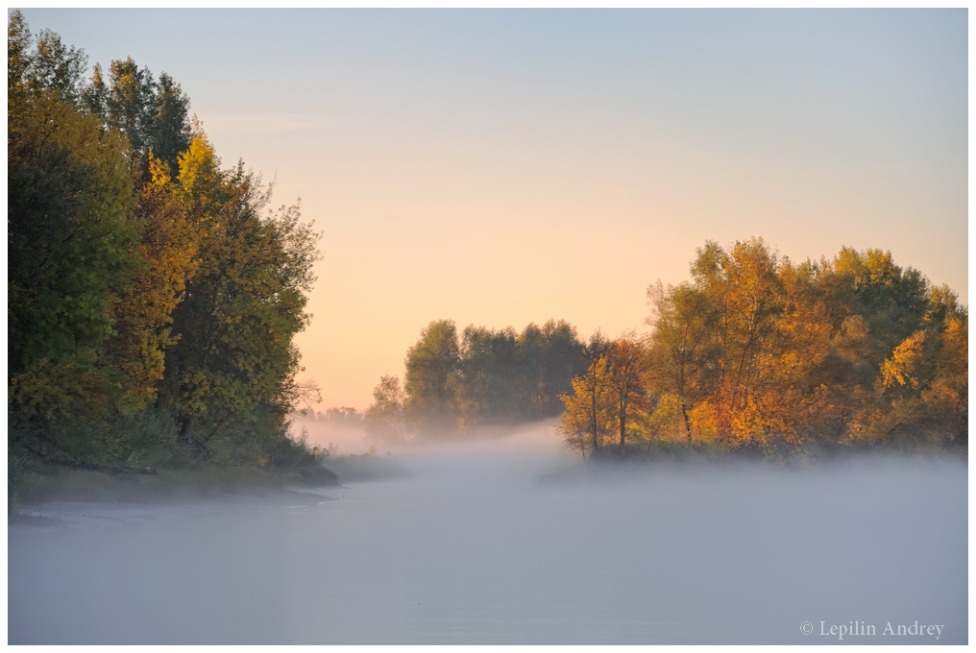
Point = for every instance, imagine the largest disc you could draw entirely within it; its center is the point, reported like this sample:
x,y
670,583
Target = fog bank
x,y
512,541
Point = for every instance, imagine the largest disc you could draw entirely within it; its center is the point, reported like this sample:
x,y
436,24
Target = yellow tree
x,y
627,358
144,313
684,348
787,400
588,420
739,296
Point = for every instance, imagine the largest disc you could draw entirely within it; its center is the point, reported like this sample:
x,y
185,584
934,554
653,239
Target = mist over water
x,y
513,541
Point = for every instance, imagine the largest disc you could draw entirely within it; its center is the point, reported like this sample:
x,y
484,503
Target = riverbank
x,y
50,483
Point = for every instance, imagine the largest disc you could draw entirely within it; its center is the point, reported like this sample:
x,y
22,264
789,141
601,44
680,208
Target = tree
x,y
70,242
752,300
431,380
144,313
627,359
153,114
889,301
712,335
684,349
384,417
561,357
920,392
232,369
170,132
485,383
41,65
763,352
590,410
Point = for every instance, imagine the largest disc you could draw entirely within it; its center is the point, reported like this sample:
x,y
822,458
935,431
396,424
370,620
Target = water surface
x,y
511,544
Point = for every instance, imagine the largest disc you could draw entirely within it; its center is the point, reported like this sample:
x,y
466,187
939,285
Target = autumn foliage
x,y
153,294
758,352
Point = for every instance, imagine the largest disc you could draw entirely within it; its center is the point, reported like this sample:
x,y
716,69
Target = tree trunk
x,y
594,423
191,444
684,416
623,422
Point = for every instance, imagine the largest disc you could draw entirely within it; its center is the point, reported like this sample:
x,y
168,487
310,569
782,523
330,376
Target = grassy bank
x,y
43,483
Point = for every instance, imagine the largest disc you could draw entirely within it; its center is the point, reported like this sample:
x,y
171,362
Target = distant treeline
x,y
482,377
753,353
153,295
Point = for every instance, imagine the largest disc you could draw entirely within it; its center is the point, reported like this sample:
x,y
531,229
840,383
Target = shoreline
x,y
51,485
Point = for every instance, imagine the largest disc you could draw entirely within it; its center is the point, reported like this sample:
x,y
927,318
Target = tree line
x,y
756,352
479,378
753,353
153,294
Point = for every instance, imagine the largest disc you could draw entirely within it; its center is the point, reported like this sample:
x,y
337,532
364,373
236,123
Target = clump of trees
x,y
479,378
153,294
756,352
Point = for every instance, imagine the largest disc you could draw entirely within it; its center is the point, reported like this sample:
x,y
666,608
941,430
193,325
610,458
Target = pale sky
x,y
502,167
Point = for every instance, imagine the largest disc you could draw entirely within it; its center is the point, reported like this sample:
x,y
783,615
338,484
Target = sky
x,y
504,167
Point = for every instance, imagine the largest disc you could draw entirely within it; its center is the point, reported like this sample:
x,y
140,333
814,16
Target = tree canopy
x,y
154,294
459,383
760,353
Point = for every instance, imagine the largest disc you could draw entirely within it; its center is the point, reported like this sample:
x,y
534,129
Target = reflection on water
x,y
485,544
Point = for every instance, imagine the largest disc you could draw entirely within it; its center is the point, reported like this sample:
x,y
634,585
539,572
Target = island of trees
x,y
754,353
153,295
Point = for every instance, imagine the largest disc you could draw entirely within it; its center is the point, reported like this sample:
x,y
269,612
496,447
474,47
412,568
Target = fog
x,y
513,541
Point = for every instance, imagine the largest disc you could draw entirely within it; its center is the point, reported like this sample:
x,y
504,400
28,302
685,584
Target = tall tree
x,y
684,348
384,417
234,364
628,360
144,313
170,132
431,380
588,420
486,391
70,242
153,114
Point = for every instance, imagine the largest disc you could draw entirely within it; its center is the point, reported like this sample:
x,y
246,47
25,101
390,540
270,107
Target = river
x,y
512,544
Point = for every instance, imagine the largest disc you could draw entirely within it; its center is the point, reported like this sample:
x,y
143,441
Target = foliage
x,y
759,352
153,296
232,364
384,419
71,236
431,378
484,377
588,420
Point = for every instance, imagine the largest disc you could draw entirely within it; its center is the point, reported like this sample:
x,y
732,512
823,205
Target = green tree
x,y
384,418
920,393
560,357
170,131
70,242
153,114
432,366
486,387
232,370
887,300
41,65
